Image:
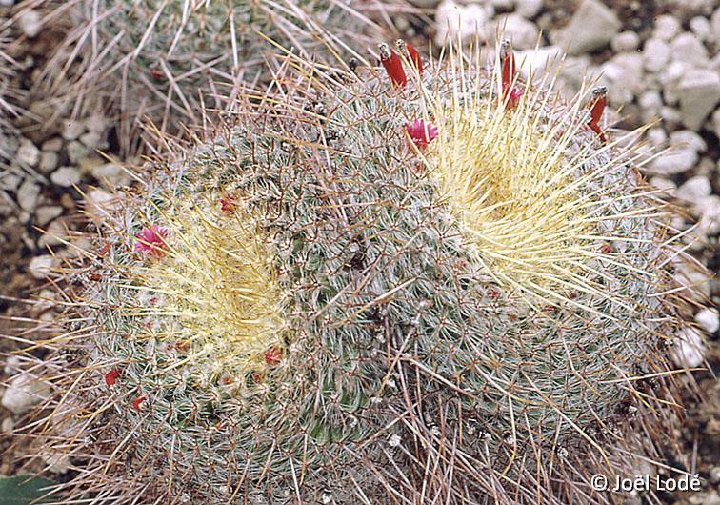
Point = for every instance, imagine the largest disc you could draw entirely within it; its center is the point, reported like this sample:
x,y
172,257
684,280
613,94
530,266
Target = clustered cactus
x,y
157,57
441,287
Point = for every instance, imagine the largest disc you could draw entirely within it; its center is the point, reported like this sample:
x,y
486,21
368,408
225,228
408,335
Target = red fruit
x,y
111,377
407,50
511,94
391,61
104,250
137,402
597,107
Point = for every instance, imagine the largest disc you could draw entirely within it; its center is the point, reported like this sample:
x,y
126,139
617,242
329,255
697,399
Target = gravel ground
x,y
660,60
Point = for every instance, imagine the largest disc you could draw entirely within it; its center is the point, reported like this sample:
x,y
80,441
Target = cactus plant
x,y
448,289
156,56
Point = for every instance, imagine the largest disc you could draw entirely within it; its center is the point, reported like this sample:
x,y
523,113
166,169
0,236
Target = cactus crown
x,y
210,285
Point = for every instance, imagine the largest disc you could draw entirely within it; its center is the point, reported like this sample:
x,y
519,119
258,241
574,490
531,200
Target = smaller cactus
x,y
158,56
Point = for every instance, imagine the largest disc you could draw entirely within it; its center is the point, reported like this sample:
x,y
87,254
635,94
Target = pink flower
x,y
421,132
152,241
227,204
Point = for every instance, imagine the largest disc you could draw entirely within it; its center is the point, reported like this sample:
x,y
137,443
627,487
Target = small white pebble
x,y
700,26
666,27
23,392
30,23
394,440
41,266
708,319
689,348
625,41
8,425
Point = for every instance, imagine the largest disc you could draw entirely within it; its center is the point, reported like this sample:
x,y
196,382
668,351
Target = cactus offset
x,y
372,292
157,57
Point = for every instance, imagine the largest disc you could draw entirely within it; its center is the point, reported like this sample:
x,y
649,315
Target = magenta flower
x,y
421,132
151,241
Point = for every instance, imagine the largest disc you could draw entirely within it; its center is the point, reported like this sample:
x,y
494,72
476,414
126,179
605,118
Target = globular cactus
x,y
156,57
446,288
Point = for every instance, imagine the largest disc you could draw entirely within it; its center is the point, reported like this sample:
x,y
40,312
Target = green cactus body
x,y
154,59
442,315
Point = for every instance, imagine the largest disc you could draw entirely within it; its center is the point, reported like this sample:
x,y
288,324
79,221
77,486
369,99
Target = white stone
x,y
43,215
30,22
625,74
700,26
591,27
57,462
696,6
41,266
535,64
23,392
699,93
13,365
65,176
657,54
9,181
689,139
708,319
502,4
111,175
77,151
663,184
528,8
48,161
27,153
715,25
72,129
573,72
672,117
53,145
689,348
27,195
91,140
8,425
625,41
522,33
715,122
56,234
465,22
688,48
670,78
666,27
422,4
99,123
657,137
673,162
708,208
694,188
101,204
